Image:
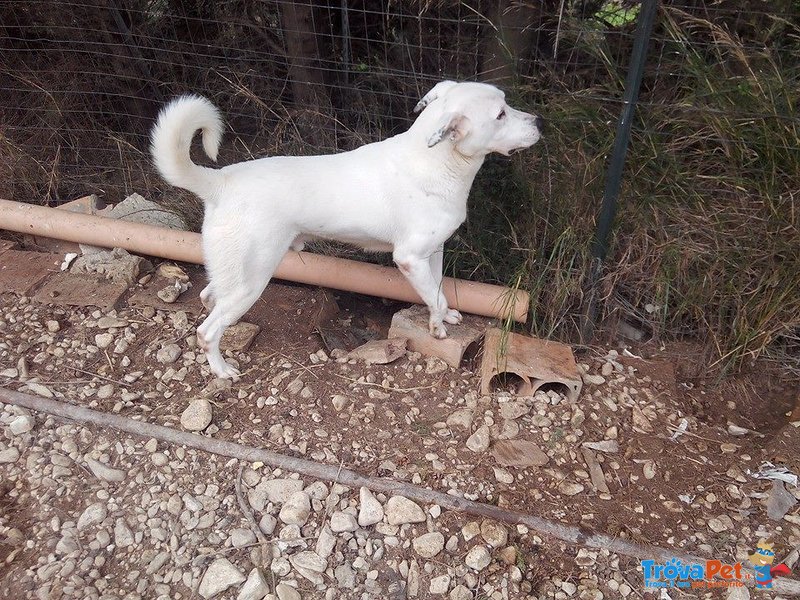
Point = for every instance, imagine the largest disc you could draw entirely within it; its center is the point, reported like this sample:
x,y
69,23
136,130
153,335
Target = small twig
x,y
388,389
97,375
248,514
301,365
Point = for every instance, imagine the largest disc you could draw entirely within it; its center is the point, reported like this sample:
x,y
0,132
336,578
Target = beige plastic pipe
x,y
302,267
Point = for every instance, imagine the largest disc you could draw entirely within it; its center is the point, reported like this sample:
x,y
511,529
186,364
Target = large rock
x,y
296,509
400,510
255,588
219,576
197,415
370,511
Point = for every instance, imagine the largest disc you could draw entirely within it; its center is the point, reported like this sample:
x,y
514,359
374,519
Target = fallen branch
x,y
543,527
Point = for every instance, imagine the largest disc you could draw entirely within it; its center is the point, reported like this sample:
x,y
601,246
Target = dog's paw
x,y
227,372
453,317
437,330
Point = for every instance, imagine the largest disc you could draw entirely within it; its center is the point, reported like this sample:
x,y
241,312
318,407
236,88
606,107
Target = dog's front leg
x,y
417,269
436,261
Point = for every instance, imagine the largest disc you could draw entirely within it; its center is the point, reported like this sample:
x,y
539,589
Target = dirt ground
x,y
678,456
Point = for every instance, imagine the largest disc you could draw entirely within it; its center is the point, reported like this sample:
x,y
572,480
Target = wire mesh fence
x,y
707,223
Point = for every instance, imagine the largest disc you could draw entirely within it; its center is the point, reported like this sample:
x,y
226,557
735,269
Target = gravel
x,y
91,513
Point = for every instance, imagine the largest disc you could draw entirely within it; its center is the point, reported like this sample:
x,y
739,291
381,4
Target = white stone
x,y
309,560
39,389
280,566
287,592
494,533
479,441
197,415
400,510
461,418
439,585
341,521
66,545
276,491
478,558
92,514
168,354
370,510
103,340
219,576
267,524
296,509
241,537
255,588
326,542
103,471
460,593
123,536
9,455
429,544
569,488
21,424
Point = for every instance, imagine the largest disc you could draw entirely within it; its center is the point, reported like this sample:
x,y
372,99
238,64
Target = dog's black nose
x,y
539,122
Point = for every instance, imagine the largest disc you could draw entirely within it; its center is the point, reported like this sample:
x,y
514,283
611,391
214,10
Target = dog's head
x,y
477,120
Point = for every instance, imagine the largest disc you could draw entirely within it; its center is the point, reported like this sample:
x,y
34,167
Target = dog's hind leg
x,y
207,297
239,278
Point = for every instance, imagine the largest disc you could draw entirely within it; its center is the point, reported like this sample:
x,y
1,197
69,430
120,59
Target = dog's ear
x,y
452,125
436,92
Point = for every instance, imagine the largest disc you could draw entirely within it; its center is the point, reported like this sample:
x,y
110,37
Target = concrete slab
x,y
21,271
535,362
412,324
67,289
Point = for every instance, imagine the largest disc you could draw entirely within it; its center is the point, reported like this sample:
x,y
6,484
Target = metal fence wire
x,y
713,160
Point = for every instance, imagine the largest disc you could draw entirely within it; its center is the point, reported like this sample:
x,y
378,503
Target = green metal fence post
x,y
616,164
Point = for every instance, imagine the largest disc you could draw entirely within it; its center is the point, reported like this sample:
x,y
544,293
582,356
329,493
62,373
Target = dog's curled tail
x,y
172,138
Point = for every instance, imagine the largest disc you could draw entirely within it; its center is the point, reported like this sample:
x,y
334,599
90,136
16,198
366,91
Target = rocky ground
x,y
646,454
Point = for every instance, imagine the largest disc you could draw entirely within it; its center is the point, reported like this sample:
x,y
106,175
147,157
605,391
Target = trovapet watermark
x,y
714,573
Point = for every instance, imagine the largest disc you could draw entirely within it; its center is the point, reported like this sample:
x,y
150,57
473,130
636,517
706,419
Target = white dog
x,y
405,195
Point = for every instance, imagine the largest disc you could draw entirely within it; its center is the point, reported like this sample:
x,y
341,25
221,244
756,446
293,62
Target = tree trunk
x,y
509,39
302,57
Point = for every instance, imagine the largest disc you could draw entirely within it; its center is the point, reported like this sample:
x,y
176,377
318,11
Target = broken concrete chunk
x,y
780,501
595,471
531,361
239,337
118,265
173,291
412,324
137,209
380,352
518,453
609,446
173,272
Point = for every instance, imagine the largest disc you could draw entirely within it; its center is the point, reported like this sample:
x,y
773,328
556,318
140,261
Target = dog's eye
x,y
502,114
